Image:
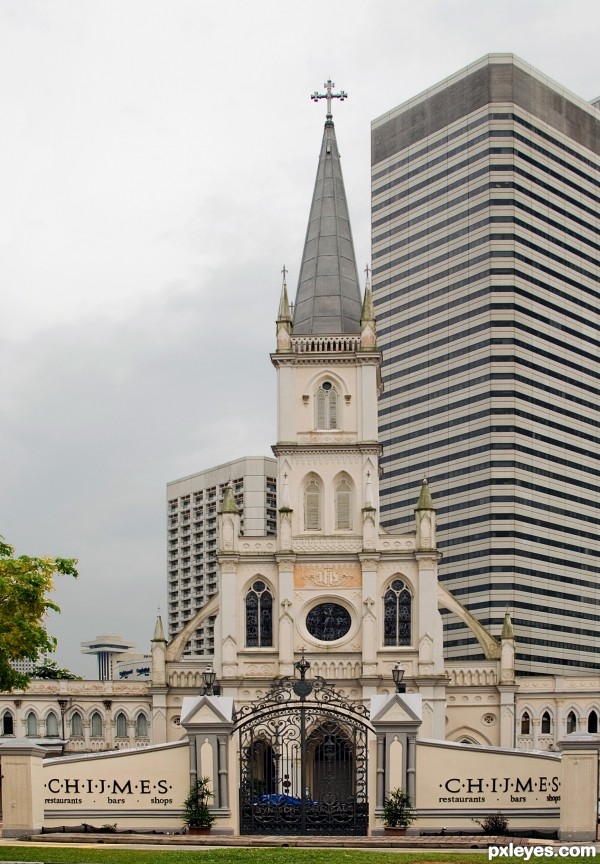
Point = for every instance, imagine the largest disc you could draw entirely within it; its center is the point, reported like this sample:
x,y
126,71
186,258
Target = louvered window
x,y
343,505
312,506
52,725
141,726
76,725
32,727
121,725
96,725
326,407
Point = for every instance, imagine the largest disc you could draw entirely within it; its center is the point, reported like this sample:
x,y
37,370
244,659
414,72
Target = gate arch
x,y
303,761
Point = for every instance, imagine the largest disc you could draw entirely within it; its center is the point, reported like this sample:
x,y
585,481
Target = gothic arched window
x,y
52,725
592,724
326,406
121,722
525,723
397,604
259,616
8,723
571,722
76,725
546,723
31,725
96,725
141,726
343,505
312,505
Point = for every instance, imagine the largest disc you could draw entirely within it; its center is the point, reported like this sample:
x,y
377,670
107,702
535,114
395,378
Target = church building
x,y
329,687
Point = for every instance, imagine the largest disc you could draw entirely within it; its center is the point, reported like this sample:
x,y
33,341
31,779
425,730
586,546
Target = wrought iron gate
x,y
303,761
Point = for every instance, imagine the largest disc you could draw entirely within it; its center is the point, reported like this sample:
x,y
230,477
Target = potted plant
x,y
397,812
195,807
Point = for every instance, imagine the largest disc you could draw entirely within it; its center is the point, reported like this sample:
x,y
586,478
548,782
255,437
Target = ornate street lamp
x,y
209,676
398,675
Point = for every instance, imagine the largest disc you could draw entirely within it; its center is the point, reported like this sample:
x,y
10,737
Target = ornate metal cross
x,y
329,96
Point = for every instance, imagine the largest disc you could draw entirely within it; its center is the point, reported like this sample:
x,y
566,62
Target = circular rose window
x,y
328,622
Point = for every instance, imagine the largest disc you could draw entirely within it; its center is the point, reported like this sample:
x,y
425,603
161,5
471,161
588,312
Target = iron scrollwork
x,y
303,760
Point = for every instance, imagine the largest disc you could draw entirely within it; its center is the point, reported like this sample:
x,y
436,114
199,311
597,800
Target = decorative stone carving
x,y
327,544
327,575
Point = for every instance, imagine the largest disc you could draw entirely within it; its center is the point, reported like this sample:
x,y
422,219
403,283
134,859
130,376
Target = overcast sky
x,y
157,159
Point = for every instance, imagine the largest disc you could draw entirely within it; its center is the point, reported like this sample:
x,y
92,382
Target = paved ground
x,y
178,841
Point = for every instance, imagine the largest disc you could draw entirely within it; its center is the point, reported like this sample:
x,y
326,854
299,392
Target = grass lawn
x,y
120,855
50,854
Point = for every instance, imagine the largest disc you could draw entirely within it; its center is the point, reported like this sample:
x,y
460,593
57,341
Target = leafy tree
x,y
51,670
24,585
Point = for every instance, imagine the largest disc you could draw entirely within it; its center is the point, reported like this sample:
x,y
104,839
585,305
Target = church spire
x,y
328,299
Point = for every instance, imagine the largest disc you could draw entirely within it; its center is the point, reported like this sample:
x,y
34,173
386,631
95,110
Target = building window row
x,y
50,725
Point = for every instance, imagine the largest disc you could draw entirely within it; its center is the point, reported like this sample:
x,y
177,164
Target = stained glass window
x,y
328,621
397,604
259,616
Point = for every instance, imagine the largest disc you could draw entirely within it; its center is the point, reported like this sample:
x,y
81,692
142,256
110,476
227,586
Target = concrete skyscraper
x,y
486,201
192,505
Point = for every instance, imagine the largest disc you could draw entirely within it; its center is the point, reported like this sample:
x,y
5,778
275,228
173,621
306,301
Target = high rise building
x,y
486,199
192,504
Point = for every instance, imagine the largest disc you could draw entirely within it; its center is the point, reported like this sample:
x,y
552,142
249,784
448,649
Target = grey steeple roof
x,y
328,298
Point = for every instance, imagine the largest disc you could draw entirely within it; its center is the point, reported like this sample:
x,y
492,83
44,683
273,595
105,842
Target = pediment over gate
x,y
399,708
206,710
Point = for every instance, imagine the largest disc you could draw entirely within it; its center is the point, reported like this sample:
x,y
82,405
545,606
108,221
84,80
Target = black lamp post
x,y
63,705
209,676
398,675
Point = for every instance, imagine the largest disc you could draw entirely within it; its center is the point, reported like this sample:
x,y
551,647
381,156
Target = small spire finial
x,y
285,272
367,271
328,85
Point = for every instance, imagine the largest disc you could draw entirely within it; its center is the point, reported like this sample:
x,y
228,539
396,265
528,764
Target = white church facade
x,y
332,683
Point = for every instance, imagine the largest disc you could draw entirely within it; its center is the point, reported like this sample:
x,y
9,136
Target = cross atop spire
x,y
328,85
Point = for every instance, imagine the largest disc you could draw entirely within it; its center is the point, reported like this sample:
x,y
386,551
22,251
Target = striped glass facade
x,y
486,244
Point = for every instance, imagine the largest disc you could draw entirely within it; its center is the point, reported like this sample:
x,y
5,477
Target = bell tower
x,y
328,379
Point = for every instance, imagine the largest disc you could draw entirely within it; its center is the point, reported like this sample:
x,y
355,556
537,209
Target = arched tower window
x,y
96,725
52,725
31,725
259,616
8,723
571,722
312,505
546,723
343,505
525,723
141,726
76,725
326,407
397,604
121,722
592,724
